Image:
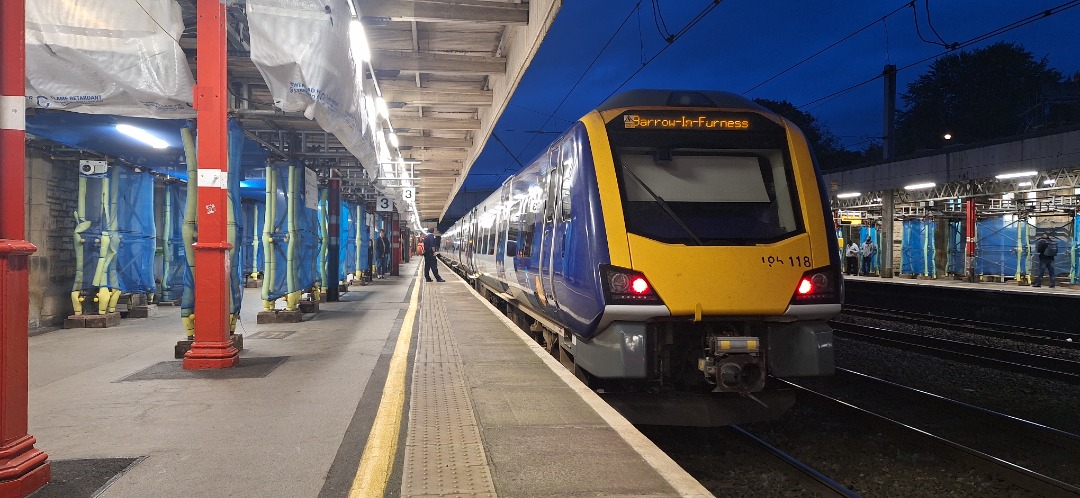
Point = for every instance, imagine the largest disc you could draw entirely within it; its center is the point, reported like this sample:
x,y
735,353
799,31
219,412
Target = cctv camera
x,y
87,167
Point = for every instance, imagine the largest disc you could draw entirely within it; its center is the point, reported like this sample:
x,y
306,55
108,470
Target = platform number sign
x,y
384,204
409,194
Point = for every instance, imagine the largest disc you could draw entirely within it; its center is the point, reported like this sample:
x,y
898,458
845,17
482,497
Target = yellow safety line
x,y
378,460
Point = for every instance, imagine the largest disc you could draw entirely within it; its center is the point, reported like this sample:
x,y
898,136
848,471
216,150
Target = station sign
x,y
384,204
851,217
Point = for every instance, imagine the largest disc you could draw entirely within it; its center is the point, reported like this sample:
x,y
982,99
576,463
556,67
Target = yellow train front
x,y
675,248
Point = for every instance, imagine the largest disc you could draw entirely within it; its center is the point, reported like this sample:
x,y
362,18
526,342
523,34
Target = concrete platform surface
x,y
486,411
274,434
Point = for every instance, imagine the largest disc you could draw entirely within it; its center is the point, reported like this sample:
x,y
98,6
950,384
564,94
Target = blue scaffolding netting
x,y
365,240
955,257
997,243
917,248
235,254
306,250
251,236
347,241
174,257
117,231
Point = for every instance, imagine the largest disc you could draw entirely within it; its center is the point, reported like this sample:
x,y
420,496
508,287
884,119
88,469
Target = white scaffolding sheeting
x,y
106,58
302,50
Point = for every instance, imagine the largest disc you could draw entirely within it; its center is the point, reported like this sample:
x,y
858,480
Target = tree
x,y
830,154
973,96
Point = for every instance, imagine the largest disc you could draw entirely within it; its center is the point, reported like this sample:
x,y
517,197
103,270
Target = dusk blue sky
x,y
740,44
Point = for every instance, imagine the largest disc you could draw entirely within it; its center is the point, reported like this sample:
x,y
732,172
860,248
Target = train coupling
x,y
733,364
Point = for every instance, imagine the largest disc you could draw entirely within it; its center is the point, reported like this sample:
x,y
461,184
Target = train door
x,y
547,228
503,228
553,235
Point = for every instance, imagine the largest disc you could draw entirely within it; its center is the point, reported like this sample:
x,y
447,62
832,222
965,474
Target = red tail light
x,y
623,286
818,286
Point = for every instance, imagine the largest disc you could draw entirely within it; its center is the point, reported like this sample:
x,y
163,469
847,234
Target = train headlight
x,y
620,283
623,286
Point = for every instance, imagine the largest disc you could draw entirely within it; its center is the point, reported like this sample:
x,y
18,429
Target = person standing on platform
x,y
852,257
382,253
868,250
1047,248
431,265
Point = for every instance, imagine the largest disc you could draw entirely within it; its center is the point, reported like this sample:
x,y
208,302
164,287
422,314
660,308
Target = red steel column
x,y
969,229
212,347
23,468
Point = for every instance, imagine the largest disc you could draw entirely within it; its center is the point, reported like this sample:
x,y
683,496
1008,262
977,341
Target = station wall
x,y
52,189
1042,153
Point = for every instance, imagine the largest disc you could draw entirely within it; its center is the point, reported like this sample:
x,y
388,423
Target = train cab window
x,y
696,195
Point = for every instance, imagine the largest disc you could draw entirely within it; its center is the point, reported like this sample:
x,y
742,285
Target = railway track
x,y
808,477
1048,367
1030,335
1030,445
1012,473
863,445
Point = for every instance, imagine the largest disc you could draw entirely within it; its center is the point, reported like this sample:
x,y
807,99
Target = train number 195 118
x,y
793,261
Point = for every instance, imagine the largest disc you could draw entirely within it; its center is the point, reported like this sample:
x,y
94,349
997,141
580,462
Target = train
x,y
674,248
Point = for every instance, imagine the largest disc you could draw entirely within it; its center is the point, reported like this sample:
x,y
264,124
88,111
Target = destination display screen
x,y
689,121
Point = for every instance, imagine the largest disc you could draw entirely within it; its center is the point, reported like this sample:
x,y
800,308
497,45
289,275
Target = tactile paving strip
x,y
444,455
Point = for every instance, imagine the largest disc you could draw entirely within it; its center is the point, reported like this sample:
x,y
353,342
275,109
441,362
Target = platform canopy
x,y
410,118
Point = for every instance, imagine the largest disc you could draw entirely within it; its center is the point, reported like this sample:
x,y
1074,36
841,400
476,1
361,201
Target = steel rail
x,y
1001,359
809,476
1019,476
1009,424
1001,331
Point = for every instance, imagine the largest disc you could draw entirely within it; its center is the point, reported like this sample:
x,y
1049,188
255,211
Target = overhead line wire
x,y
837,42
701,15
926,4
983,37
573,87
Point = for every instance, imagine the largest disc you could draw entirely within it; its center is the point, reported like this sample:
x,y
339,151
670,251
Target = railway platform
x,y
402,388
998,302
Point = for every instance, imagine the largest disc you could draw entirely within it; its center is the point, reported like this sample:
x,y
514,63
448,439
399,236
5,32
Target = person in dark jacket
x,y
382,254
431,265
868,250
1046,249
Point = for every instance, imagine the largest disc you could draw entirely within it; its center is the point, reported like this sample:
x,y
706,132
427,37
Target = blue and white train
x,y
674,248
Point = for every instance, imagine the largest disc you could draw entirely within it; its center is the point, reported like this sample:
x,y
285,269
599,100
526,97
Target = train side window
x,y
567,168
513,230
551,186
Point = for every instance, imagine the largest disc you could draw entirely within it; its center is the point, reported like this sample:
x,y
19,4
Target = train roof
x,y
680,98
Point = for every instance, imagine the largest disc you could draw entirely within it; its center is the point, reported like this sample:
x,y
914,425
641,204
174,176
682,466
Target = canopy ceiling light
x,y
1022,174
848,195
142,136
358,41
919,186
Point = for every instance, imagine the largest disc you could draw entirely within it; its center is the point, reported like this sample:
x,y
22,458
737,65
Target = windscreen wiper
x,y
664,205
